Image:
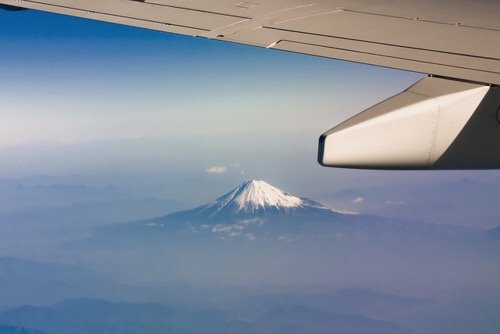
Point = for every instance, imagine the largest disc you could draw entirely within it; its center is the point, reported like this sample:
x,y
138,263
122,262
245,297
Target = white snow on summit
x,y
253,195
259,194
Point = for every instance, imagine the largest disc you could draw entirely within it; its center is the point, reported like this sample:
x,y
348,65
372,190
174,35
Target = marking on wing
x,y
380,43
294,46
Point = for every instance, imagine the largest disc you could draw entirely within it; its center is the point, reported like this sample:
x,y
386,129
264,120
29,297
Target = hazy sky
x,y
79,97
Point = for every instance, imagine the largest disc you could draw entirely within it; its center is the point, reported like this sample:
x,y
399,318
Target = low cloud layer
x,y
234,167
358,200
217,170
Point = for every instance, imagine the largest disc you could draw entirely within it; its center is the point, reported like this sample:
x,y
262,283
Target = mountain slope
x,y
254,199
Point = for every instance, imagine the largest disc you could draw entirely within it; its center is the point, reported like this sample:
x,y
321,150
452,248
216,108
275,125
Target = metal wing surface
x,y
451,38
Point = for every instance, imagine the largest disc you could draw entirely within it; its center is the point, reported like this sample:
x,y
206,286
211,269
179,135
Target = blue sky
x,y
80,97
82,68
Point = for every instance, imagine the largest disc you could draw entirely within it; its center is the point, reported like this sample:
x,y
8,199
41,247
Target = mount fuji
x,y
256,196
253,200
258,210
254,208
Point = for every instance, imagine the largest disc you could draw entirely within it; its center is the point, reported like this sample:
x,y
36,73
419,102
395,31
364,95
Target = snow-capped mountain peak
x,y
251,208
256,195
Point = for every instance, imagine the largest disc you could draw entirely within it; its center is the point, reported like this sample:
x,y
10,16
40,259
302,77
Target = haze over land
x,y
255,260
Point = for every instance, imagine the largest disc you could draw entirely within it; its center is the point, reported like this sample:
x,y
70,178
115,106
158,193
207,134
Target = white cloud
x,y
234,167
216,170
238,229
285,238
358,200
251,221
250,236
394,202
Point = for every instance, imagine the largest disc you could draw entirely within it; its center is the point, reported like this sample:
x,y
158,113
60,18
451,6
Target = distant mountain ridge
x,y
494,232
7,329
101,316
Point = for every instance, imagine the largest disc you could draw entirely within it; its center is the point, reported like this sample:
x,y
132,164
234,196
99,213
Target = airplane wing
x,y
457,42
